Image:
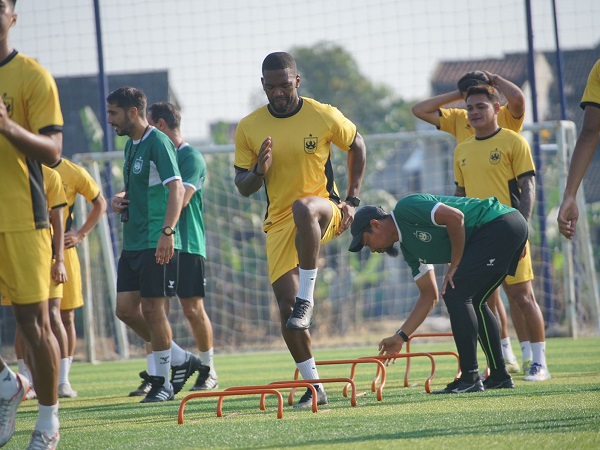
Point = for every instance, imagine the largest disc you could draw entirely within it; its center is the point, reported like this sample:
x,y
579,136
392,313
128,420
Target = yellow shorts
x,y
72,292
524,270
55,291
25,266
281,245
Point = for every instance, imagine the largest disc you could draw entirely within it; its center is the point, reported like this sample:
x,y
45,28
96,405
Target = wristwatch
x,y
168,231
354,201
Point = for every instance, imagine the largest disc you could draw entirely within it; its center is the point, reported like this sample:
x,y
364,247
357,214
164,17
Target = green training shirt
x,y
152,163
423,241
191,223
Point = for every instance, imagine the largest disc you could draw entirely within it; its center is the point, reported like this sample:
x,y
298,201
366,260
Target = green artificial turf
x,y
562,413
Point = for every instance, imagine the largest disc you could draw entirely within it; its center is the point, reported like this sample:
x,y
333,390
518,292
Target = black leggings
x,y
471,319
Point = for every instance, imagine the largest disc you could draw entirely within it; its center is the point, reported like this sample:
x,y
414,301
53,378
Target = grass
x,y
562,413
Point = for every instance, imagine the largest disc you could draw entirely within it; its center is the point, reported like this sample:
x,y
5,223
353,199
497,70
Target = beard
x,y
281,107
392,251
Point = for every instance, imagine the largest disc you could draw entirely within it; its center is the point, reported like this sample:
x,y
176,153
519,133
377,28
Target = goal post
x,y
355,295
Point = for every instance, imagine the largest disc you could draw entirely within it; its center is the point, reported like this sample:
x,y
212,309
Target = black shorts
x,y
191,276
139,271
496,247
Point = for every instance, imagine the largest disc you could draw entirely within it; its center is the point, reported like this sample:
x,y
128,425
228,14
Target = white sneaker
x,y
66,391
8,410
537,372
512,366
41,441
31,394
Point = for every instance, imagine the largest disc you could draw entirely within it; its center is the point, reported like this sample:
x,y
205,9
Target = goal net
x,y
359,297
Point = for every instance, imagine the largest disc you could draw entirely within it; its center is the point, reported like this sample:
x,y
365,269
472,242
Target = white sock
x,y
150,364
162,359
308,278
308,370
70,362
63,375
207,360
538,349
507,352
526,350
47,420
8,383
24,370
178,355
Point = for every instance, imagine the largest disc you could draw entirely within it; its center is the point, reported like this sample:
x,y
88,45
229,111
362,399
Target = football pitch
x,y
562,413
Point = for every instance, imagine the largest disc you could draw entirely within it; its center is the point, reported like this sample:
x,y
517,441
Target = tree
x,y
330,75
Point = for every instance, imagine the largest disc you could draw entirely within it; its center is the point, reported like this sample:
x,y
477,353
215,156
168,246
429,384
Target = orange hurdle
x,y
241,391
282,384
380,370
440,353
407,356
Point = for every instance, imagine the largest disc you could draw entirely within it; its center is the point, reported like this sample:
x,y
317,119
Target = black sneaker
x,y
158,392
145,386
205,381
507,383
460,387
301,317
306,399
180,374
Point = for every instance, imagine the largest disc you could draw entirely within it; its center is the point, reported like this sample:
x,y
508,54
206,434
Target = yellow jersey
x,y
31,97
591,94
490,167
301,165
54,188
75,180
455,122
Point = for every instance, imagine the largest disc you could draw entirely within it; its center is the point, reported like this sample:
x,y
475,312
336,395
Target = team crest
x,y
9,102
310,144
423,236
495,156
137,165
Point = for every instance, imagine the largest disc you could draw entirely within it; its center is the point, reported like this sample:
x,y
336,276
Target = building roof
x,y
514,67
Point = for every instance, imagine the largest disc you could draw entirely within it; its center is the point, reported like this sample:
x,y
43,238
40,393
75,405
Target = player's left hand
x,y
59,272
391,346
73,238
448,279
348,217
165,249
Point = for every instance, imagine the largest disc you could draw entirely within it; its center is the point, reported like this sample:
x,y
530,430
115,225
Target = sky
x,y
213,50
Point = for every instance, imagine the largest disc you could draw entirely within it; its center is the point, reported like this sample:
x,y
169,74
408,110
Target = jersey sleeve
x,y
86,185
55,192
163,155
506,120
245,155
522,161
43,103
343,131
448,119
591,94
193,169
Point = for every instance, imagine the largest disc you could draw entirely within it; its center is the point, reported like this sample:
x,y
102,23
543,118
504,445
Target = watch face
x,y
168,231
